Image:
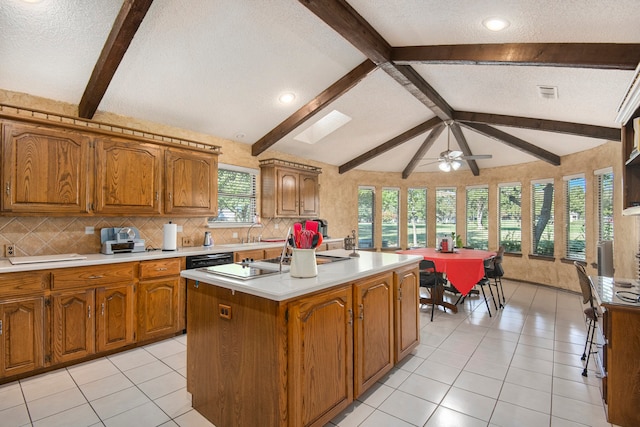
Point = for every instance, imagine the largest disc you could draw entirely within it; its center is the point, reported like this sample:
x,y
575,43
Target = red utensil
x,y
297,229
311,225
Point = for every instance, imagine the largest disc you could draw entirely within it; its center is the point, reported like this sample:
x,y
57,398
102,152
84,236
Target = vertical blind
x,y
542,242
477,217
605,203
417,217
575,205
510,216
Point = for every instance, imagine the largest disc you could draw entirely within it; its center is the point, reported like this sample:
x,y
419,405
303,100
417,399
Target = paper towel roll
x,y
169,237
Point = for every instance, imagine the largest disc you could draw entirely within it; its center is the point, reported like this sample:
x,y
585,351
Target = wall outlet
x,y
186,242
10,250
89,230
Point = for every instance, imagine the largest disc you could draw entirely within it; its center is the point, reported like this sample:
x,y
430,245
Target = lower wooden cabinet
x,y
407,320
320,356
22,335
115,317
159,299
373,331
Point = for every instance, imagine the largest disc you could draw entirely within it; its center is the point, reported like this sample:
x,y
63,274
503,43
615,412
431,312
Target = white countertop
x,y
98,259
280,287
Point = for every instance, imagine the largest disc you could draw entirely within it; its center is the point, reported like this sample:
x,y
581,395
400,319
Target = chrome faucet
x,y
249,231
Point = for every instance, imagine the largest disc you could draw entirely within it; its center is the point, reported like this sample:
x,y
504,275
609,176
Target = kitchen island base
x,y
298,362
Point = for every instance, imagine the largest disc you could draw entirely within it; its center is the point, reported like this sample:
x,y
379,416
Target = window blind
x,y
575,233
445,212
510,217
604,198
236,195
417,217
477,217
542,218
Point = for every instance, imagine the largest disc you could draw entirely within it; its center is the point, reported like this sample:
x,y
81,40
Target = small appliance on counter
x,y
116,240
323,227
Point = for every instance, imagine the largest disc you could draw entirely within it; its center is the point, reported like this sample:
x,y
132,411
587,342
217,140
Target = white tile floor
x,y
519,368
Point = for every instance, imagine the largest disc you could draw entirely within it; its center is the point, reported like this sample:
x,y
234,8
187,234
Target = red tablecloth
x,y
464,268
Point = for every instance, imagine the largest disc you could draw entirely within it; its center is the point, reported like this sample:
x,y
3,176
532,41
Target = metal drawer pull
x,y
100,276
102,309
162,269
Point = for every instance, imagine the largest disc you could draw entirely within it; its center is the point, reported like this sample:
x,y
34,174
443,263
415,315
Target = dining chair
x,y
488,264
429,279
591,313
496,274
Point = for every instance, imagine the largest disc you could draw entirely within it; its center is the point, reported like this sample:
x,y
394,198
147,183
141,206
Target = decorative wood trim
x,y
313,107
608,56
590,131
301,166
124,28
43,117
392,143
514,142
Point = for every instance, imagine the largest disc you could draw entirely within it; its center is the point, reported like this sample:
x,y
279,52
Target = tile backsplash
x,y
57,235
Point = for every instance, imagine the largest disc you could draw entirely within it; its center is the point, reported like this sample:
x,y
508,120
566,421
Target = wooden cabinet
x,y
191,186
23,332
289,190
128,178
374,330
44,170
407,319
22,335
257,254
622,380
159,298
320,357
91,310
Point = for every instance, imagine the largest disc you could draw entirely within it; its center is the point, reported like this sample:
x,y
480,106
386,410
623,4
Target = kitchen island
x,y
284,351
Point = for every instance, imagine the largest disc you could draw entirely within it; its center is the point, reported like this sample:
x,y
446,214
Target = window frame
x,y
534,218
455,212
572,251
410,234
508,244
396,190
212,222
485,220
599,207
373,216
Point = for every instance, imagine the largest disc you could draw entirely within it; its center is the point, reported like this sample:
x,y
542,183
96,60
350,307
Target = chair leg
x,y
586,342
500,300
485,299
593,330
499,280
492,297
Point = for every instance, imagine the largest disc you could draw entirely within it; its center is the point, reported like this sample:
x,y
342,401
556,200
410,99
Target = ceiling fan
x,y
452,159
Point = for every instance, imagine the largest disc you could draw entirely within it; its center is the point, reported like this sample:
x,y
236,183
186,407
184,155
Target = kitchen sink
x,y
320,259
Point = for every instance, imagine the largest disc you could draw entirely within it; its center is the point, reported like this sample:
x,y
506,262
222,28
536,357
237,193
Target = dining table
x,y
463,268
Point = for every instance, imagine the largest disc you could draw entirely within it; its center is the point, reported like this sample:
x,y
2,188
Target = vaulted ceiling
x,y
398,69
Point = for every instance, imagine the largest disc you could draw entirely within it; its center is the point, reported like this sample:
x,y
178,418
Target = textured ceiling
x,y
218,66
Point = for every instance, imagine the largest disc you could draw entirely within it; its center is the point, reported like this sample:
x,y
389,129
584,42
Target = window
x,y
510,217
417,217
445,212
542,217
390,218
575,191
236,196
366,208
477,217
604,199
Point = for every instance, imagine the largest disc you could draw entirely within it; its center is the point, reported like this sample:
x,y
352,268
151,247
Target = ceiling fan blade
x,y
455,153
476,157
429,163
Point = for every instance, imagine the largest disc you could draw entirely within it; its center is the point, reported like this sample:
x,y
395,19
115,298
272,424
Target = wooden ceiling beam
x,y
313,107
124,28
464,147
343,18
515,142
578,129
426,145
609,56
419,88
392,143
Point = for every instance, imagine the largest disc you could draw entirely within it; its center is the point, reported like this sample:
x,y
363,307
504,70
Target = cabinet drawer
x,y
13,284
159,268
94,275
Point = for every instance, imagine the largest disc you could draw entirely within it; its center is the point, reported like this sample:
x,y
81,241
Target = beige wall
x,y
338,195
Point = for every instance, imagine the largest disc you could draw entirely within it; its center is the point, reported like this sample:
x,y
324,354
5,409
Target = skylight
x,y
323,127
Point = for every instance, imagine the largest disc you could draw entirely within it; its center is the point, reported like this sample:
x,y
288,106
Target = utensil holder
x,y
303,263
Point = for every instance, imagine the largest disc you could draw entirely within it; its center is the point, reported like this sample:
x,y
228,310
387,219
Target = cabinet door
x,y
127,177
407,331
44,170
320,356
22,335
309,197
254,254
157,311
191,183
73,325
115,317
287,193
373,332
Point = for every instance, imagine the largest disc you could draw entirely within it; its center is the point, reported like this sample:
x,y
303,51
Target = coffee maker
x,y
323,227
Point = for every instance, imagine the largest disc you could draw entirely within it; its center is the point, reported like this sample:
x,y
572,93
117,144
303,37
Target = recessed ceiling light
x,y
495,24
240,135
287,98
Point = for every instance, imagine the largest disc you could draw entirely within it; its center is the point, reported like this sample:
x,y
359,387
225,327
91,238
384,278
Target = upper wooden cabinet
x,y
191,186
127,177
289,190
68,169
44,170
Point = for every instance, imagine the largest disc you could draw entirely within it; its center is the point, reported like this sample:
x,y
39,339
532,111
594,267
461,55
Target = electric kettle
x,y
208,240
